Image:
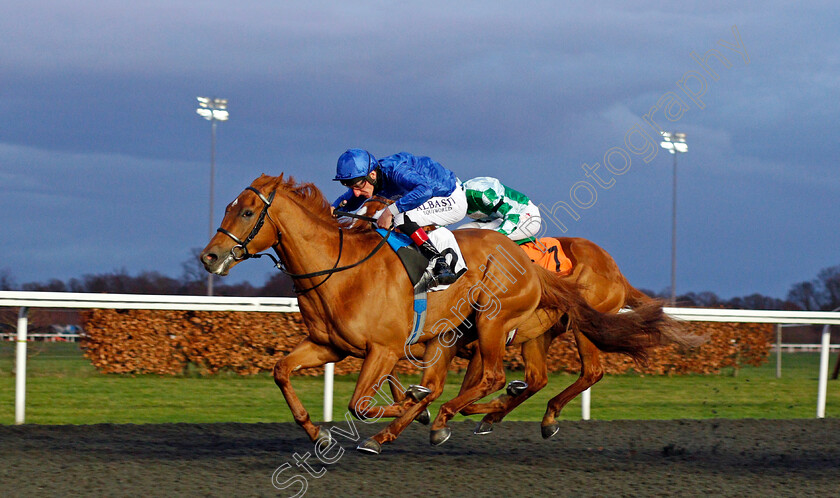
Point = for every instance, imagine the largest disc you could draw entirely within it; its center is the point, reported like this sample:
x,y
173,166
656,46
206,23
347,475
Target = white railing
x,y
146,302
756,316
802,348
824,318
44,337
25,300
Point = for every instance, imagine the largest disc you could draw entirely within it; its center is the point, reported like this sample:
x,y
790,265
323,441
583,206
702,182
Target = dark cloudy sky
x,y
104,164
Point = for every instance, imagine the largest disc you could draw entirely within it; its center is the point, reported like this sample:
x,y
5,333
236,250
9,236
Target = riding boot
x,y
441,271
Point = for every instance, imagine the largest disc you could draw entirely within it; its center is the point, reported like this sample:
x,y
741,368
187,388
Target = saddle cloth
x,y
548,253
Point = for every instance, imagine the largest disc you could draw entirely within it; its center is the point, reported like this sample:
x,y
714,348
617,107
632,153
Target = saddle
x,y
415,263
416,266
548,253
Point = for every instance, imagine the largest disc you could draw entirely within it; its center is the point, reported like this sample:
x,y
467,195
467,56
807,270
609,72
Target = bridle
x,y
242,245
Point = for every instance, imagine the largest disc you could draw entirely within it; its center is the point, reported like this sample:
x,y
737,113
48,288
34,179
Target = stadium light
x,y
213,110
675,144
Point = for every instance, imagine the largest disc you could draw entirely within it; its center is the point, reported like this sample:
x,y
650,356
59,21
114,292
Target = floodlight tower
x,y
675,144
213,110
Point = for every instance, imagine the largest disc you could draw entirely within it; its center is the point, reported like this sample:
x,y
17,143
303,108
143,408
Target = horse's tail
x,y
632,333
635,297
674,332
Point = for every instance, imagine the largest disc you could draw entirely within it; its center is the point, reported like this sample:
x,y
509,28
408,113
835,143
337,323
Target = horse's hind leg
x,y
369,392
491,346
534,354
473,373
305,355
471,379
607,295
397,393
591,371
401,400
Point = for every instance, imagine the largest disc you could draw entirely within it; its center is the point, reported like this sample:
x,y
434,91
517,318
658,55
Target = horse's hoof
x,y
370,445
550,430
417,393
425,417
516,387
483,428
324,436
440,436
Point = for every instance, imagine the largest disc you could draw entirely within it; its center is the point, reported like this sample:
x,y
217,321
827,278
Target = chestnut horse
x,y
606,290
356,300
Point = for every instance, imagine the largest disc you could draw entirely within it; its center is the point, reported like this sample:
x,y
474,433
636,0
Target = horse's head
x,y
247,228
269,209
371,208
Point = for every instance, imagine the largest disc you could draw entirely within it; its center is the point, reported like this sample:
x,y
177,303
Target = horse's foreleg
x,y
305,355
591,372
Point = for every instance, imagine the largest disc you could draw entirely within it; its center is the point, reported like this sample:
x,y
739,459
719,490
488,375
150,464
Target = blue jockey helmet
x,y
353,164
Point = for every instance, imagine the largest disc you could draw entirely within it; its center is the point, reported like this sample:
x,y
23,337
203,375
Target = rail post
x,y
778,350
823,382
585,403
329,371
20,366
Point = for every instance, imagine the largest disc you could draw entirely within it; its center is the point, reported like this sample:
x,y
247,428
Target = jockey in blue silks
x,y
426,193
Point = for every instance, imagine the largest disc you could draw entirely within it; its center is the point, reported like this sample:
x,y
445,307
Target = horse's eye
x,y
247,213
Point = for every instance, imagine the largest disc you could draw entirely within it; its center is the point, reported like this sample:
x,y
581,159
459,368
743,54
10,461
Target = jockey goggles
x,y
353,182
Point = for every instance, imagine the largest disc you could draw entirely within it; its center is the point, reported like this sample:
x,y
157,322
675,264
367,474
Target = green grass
x,y
63,388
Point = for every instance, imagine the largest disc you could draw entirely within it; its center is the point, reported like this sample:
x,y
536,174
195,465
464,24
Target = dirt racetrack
x,y
618,458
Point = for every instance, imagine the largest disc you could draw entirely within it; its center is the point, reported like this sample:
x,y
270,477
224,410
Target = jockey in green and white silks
x,y
498,207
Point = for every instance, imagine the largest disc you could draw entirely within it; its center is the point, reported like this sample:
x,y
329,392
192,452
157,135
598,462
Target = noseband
x,y
244,254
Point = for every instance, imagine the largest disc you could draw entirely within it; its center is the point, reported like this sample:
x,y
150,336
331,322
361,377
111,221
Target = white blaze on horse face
x,y
235,202
224,266
375,215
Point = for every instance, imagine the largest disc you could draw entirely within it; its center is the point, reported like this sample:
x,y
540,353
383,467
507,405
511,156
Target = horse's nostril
x,y
209,258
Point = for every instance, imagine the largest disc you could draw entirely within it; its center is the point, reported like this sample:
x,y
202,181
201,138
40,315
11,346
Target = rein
x,y
242,244
354,215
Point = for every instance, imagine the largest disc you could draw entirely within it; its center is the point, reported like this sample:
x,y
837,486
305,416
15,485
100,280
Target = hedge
x,y
172,342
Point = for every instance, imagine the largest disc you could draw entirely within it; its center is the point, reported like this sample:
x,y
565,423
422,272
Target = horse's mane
x,y
308,196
